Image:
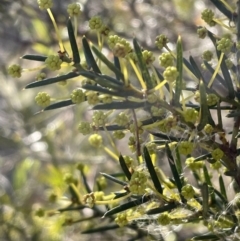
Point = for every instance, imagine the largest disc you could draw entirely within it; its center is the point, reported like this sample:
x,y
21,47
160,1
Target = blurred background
x,y
37,150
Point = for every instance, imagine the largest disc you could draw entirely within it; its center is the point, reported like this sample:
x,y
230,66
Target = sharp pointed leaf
x,y
34,57
152,171
103,80
89,56
59,104
120,105
109,177
53,80
162,209
108,63
179,85
73,43
232,16
100,229
143,67
204,107
128,205
124,167
173,168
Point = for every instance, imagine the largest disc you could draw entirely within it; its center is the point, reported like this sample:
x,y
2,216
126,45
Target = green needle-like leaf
x,y
101,229
152,171
124,167
210,237
232,16
222,187
109,177
162,209
53,80
205,199
104,90
120,105
103,80
108,63
204,107
128,205
179,85
59,104
173,168
73,43
143,67
89,56
34,57
197,71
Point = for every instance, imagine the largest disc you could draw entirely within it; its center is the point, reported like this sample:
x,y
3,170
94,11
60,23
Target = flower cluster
x,y
74,9
15,71
224,45
53,62
170,74
207,16
77,96
95,140
45,4
85,128
43,99
138,183
161,41
166,60
120,46
99,118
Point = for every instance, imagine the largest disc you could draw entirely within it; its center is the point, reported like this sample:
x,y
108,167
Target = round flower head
x,y
45,4
74,9
95,140
77,96
170,74
15,71
95,23
43,99
53,62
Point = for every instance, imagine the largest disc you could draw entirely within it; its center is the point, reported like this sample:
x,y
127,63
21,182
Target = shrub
x,y
178,120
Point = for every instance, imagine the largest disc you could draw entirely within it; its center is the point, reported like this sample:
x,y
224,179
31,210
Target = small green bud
x,y
122,119
99,118
148,57
138,183
118,134
43,99
185,148
166,60
41,76
85,128
95,23
191,115
53,62
224,45
121,219
40,212
77,96
161,41
45,4
74,9
212,99
207,16
92,98
170,74
208,129
164,219
188,191
202,32
15,71
95,140
217,154
207,55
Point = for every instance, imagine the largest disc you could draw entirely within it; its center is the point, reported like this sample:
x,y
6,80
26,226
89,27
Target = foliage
x,y
155,111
